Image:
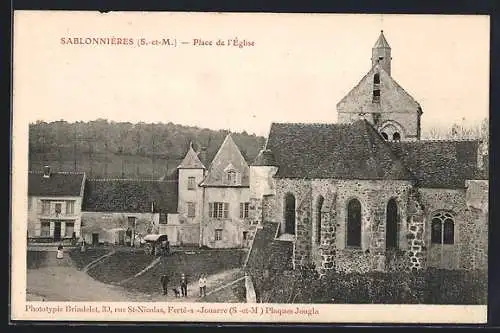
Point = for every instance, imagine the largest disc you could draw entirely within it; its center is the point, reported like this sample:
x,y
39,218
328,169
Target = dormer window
x,y
232,176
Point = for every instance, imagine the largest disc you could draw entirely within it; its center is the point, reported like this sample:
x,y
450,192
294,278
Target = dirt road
x,y
60,280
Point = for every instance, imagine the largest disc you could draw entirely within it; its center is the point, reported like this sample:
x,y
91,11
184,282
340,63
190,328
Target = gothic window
x,y
396,136
319,207
354,223
289,214
384,135
443,228
391,231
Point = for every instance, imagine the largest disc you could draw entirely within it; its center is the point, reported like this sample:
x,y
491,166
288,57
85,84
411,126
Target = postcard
x,y
250,167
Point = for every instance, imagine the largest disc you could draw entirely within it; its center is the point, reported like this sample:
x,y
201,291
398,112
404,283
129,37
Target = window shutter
x,y
226,210
242,210
210,209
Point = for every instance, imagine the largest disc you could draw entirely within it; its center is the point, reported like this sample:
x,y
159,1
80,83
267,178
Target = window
x,y
391,228
442,228
191,209
396,136
354,223
244,210
245,235
231,177
376,78
385,136
376,95
319,207
45,229
70,207
290,214
218,210
218,234
191,183
70,228
45,207
131,221
58,208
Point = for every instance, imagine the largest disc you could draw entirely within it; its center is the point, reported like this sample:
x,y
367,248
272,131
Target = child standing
x,y
202,283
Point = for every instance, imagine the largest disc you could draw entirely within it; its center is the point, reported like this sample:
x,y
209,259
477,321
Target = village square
x,y
366,203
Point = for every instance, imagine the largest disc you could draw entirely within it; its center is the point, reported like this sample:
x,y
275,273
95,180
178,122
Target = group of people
x,y
202,284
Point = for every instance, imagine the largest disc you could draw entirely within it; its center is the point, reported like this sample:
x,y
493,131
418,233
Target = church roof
x,y
130,195
342,151
381,41
440,164
264,158
191,160
228,155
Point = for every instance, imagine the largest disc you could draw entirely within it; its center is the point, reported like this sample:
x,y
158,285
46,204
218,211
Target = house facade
x,y
54,204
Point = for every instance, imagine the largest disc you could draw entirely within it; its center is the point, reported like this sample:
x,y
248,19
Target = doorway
x,y
57,231
95,239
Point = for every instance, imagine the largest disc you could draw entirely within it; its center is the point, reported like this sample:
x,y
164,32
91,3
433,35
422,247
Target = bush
x,y
428,287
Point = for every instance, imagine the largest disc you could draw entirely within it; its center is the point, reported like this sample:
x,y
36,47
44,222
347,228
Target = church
x,y
367,193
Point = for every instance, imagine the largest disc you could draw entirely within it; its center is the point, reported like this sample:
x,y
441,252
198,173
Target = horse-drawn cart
x,y
156,245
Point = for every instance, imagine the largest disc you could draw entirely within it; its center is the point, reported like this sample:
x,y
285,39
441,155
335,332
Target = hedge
x,y
433,286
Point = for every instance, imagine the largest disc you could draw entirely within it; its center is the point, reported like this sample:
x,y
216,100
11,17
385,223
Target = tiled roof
x,y
130,195
228,155
440,164
191,160
381,42
58,184
342,151
265,158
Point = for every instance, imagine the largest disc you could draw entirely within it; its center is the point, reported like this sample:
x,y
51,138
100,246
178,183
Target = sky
x,y
298,69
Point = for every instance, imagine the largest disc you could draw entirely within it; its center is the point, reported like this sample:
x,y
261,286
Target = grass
x,y
120,266
235,293
36,259
191,263
83,259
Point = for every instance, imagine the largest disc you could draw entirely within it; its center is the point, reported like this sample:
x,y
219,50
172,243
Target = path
x,y
60,280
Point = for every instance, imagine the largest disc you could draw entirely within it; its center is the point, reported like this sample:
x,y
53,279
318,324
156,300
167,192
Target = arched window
x,y
443,228
384,135
319,206
289,214
391,229
354,223
396,136
376,78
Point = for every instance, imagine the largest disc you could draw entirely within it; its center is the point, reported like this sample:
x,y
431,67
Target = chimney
x,y
203,154
46,171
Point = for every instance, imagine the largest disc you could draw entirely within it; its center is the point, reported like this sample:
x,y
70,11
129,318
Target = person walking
x,y
202,283
184,284
164,283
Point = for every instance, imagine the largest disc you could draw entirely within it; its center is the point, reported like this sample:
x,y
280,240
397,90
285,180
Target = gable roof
x,y
191,160
228,154
392,96
264,158
58,184
440,163
130,195
342,151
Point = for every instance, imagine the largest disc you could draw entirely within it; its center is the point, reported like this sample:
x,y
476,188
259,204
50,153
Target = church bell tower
x,y
381,53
